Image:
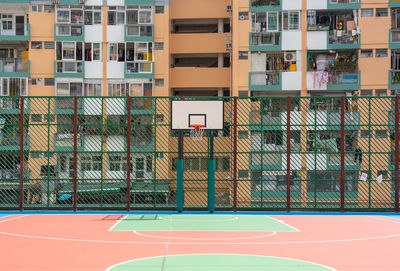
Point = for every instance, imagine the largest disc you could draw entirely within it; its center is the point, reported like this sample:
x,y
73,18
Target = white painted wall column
x,y
220,26
220,60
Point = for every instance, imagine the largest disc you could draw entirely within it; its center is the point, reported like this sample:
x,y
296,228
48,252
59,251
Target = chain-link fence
x,y
327,153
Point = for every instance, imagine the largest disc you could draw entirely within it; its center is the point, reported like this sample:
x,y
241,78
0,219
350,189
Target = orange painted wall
x,y
200,77
161,57
42,60
198,43
194,9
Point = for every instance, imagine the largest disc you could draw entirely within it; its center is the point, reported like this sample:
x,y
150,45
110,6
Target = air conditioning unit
x,y
229,8
290,56
229,46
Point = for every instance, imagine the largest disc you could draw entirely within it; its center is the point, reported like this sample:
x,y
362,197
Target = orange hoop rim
x,y
197,127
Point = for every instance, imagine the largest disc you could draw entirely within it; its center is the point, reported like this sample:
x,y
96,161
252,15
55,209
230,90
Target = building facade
x,y
315,51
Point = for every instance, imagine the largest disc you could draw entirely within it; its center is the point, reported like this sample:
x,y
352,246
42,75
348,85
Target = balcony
x,y
10,138
65,105
394,79
344,40
139,2
139,69
11,67
265,80
198,43
65,141
12,105
344,4
21,32
259,5
394,3
333,80
334,161
394,38
265,41
139,32
69,69
69,32
200,77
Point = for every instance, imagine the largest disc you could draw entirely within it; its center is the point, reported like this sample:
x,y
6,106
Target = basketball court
x,y
198,241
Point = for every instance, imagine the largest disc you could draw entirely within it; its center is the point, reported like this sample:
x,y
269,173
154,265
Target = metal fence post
x,y
235,154
288,156
21,155
75,147
342,144
397,155
179,173
128,154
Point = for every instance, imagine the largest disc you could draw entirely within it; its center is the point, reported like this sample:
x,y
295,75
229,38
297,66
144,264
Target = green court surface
x,y
217,262
245,223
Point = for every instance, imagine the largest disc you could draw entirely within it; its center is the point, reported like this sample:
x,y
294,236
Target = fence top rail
x,y
198,97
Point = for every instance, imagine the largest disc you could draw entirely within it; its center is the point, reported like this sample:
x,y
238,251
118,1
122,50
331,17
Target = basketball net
x,y
197,131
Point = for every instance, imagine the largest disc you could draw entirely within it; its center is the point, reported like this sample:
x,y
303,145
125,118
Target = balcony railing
x,y
11,65
265,38
139,32
265,80
69,32
394,78
345,39
139,69
69,68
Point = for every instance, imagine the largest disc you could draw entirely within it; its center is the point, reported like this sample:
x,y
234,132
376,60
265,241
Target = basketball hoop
x,y
197,131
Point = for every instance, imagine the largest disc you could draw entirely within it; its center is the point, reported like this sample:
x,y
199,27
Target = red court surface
x,y
87,242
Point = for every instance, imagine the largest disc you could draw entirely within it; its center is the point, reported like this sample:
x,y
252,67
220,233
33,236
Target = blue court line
x,y
389,214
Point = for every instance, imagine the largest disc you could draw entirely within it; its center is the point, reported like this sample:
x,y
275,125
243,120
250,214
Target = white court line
x,y
177,255
2,221
384,219
283,222
116,223
216,239
208,243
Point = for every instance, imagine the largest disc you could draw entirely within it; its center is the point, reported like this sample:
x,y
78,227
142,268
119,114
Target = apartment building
x,y
190,48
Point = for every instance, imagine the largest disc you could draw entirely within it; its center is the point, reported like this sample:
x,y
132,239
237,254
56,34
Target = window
x,y
381,12
115,163
91,89
149,164
6,21
13,87
36,81
36,45
367,12
243,134
35,155
116,15
91,163
329,181
68,89
159,46
366,92
243,15
243,174
36,8
367,53
92,52
117,89
243,94
381,134
366,134
291,20
222,164
92,15
159,82
36,118
49,8
243,55
381,53
49,81
384,174
159,9
50,118
381,92
48,45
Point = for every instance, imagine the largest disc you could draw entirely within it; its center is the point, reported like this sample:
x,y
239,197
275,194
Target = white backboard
x,y
207,113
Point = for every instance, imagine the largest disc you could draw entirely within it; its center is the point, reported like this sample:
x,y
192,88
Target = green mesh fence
x,y
72,153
